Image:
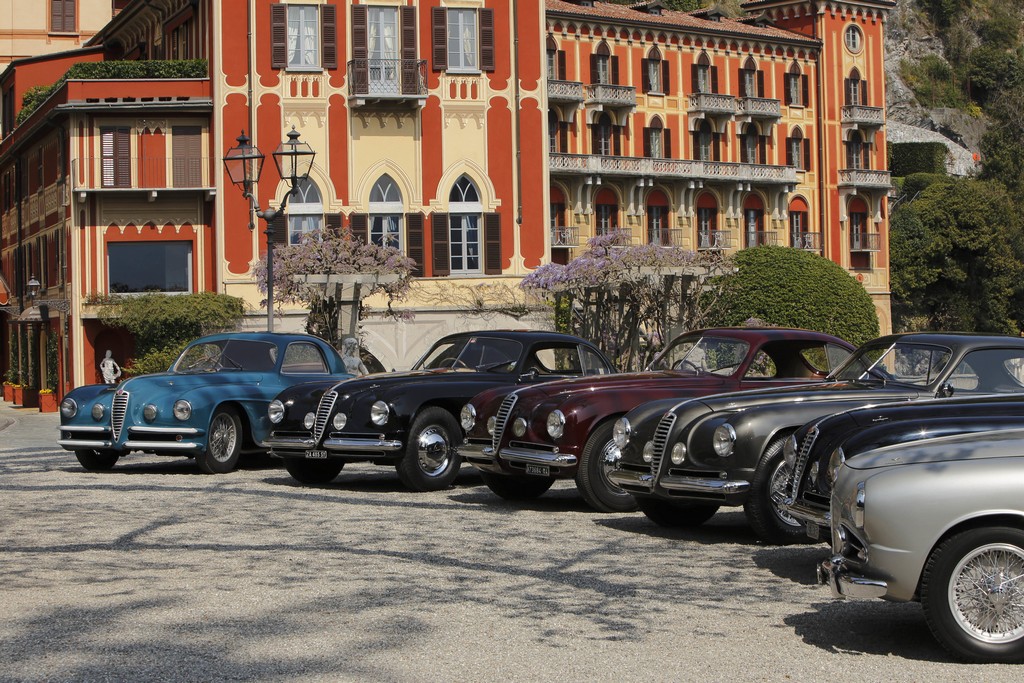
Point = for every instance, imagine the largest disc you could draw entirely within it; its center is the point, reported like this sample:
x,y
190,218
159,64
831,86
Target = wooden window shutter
x,y
742,81
439,37
329,35
414,241
646,79
492,244
762,150
664,77
789,152
56,15
187,150
332,223
617,141
806,165
360,72
561,65
787,94
864,93
716,146
714,79
846,91
280,225
410,67
563,137
359,224
760,84
666,143
442,261
593,68
804,82
122,157
647,142
615,70
279,36
487,39
694,78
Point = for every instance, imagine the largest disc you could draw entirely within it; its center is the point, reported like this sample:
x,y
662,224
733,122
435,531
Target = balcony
x,y
808,241
865,241
864,179
567,92
622,237
669,169
565,236
859,116
146,174
759,108
756,174
713,240
387,82
713,105
602,95
759,238
666,237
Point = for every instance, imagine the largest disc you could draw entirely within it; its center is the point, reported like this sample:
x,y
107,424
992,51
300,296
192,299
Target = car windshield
x,y
702,355
473,353
227,354
902,363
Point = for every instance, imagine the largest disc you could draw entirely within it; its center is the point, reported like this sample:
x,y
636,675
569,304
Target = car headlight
x,y
467,417
309,420
789,451
556,424
621,431
519,426
492,423
379,413
648,451
835,461
68,408
678,453
182,409
340,420
275,411
723,440
149,412
98,411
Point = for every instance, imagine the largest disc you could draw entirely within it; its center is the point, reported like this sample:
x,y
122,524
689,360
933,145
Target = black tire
x,y
223,443
969,580
515,487
432,459
678,515
763,507
592,474
96,461
313,472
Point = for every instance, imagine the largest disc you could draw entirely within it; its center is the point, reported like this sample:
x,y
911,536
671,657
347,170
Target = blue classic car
x,y
211,405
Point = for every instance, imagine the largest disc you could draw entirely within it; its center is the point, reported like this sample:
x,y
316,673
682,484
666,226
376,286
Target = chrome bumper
x,y
100,437
807,513
479,455
844,584
697,485
83,443
288,444
362,445
629,479
533,457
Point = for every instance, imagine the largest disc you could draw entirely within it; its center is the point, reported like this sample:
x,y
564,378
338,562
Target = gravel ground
x,y
156,572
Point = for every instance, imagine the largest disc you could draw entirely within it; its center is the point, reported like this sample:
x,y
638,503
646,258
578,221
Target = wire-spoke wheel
x,y
223,443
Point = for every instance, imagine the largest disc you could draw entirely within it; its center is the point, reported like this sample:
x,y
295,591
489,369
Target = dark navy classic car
x,y
211,405
409,420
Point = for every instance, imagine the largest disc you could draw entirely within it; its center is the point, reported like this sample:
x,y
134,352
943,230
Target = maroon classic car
x,y
523,439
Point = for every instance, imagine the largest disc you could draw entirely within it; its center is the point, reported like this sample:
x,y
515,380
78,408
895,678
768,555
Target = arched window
x,y
800,237
553,132
305,211
862,241
605,139
796,87
708,234
704,75
858,152
656,140
751,82
704,147
386,210
753,222
464,226
655,73
552,60
657,219
606,209
856,89
750,145
795,150
601,65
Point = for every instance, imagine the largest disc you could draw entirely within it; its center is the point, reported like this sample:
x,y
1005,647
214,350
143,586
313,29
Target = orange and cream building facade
x,y
484,138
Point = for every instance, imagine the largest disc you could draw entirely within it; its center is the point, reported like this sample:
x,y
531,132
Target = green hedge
x,y
917,157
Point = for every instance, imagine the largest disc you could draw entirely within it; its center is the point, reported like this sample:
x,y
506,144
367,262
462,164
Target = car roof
x,y
768,334
275,337
519,335
958,339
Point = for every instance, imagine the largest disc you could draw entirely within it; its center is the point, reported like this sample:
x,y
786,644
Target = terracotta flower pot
x,y
16,395
8,392
48,403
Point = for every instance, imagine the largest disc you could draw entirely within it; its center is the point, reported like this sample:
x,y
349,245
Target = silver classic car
x,y
939,521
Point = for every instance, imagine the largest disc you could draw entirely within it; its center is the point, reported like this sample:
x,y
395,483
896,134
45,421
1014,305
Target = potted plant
x,y
17,392
47,401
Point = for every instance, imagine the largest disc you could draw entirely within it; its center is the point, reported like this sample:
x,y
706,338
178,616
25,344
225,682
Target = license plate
x,y
539,470
316,455
812,530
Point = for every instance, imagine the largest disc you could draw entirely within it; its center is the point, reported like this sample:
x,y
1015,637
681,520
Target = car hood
x,y
960,447
182,382
385,381
567,388
826,391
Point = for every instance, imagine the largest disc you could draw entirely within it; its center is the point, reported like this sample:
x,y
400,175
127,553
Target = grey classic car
x,y
940,521
682,460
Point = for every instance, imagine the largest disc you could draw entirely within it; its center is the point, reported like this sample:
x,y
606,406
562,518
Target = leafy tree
x,y
958,258
163,325
332,252
629,300
795,288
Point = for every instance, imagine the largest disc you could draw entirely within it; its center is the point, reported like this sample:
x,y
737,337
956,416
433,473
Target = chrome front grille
x,y
502,418
803,450
323,413
118,409
661,440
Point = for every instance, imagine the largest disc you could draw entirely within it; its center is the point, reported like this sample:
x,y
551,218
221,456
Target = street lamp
x,y
244,164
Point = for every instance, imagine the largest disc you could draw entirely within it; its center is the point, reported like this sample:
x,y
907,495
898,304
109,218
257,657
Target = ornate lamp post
x,y
244,164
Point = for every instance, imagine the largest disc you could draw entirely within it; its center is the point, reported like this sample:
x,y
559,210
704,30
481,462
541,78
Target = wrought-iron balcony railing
x,y
566,91
665,237
141,173
387,79
759,238
623,236
866,117
865,241
611,95
712,103
808,241
864,178
565,236
759,108
669,169
711,240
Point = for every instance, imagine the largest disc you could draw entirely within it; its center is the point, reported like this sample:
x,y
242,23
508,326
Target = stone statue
x,y
109,369
350,356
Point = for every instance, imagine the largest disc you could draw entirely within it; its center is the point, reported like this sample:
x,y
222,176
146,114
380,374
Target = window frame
x,y
148,263
291,51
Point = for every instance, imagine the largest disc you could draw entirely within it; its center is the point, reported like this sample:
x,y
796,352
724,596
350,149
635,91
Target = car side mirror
x,y
945,391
